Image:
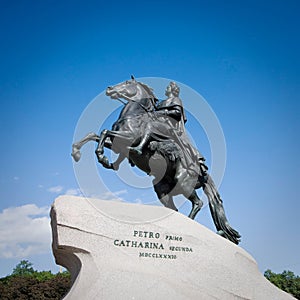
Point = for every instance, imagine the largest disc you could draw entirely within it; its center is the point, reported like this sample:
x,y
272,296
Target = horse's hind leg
x,y
161,192
196,204
165,199
168,202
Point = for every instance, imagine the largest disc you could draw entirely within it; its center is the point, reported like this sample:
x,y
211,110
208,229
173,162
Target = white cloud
x,y
138,200
111,196
24,231
121,192
55,189
73,192
16,178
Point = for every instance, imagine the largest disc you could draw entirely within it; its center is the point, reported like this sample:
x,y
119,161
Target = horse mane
x,y
149,90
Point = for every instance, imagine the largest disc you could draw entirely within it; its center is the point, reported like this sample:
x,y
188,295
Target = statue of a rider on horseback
x,y
152,135
169,124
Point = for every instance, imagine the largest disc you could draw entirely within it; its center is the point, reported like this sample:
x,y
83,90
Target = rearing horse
x,y
162,158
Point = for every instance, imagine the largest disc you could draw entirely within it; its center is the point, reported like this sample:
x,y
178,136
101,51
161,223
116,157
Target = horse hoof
x,y
76,155
114,167
221,233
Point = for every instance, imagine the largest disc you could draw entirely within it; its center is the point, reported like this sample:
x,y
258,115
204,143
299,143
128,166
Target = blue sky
x,y
242,57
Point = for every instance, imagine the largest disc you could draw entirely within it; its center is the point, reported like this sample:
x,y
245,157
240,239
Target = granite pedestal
x,y
129,251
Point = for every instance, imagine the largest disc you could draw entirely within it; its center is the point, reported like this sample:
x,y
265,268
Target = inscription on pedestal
x,y
155,245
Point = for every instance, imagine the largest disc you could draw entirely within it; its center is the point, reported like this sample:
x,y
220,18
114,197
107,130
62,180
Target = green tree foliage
x,y
26,283
287,281
24,267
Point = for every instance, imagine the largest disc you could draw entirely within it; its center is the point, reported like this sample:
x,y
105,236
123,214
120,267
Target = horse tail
x,y
218,212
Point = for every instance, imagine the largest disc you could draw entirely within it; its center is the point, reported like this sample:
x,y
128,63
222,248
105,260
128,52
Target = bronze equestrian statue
x,y
151,135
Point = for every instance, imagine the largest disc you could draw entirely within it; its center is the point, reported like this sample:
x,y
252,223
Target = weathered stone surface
x,y
128,251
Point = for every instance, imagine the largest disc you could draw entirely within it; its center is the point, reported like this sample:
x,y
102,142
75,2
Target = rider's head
x,y
173,89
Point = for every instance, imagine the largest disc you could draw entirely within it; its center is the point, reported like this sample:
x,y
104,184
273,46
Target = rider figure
x,y
169,124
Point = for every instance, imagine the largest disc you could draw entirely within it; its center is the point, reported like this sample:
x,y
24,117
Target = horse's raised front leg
x,y
77,146
102,159
115,165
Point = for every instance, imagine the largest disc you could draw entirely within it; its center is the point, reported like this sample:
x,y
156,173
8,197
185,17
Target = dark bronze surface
x,y
151,135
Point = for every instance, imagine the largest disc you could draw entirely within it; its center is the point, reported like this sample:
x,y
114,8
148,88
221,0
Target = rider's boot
x,y
139,148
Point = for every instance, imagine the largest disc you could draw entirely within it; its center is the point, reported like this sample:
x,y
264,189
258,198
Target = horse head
x,y
131,90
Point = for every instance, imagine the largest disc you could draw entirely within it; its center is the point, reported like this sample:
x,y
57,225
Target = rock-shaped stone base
x,y
129,251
